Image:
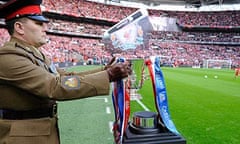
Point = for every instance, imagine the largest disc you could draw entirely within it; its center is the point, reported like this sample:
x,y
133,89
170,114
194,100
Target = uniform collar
x,y
27,47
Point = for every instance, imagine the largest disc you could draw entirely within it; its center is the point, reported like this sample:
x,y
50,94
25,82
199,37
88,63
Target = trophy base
x,y
145,130
152,138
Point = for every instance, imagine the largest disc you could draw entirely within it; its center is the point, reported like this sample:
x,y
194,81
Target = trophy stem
x,y
136,79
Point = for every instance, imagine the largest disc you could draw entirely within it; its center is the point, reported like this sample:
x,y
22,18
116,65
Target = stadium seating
x,y
185,48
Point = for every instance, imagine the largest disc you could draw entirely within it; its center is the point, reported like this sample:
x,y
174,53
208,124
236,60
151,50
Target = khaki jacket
x,y
28,81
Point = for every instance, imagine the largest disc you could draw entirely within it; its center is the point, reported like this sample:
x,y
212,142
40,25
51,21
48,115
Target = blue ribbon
x,y
114,104
161,97
119,104
120,90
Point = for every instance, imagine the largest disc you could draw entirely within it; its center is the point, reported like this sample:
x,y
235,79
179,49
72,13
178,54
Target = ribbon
x,y
160,92
121,105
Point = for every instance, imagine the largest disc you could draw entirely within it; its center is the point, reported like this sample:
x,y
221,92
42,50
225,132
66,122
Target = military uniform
x,y
30,84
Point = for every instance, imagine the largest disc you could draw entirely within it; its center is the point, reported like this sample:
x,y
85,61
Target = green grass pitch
x,y
204,103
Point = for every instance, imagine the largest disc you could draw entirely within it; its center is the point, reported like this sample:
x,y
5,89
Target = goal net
x,y
217,64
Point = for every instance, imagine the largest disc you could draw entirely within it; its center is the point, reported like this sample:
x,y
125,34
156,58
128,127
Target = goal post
x,y
217,64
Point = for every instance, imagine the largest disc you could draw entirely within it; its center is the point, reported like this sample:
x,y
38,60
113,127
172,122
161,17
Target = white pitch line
x,y
110,123
142,105
106,100
108,110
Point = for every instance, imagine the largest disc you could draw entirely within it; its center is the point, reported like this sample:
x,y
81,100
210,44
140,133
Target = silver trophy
x,y
127,39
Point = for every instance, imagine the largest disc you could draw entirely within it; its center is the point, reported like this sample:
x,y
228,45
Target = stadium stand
x,y
76,29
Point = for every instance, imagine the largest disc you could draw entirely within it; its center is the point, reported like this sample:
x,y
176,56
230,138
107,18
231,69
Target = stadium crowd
x,y
77,28
184,48
188,54
73,49
82,8
204,37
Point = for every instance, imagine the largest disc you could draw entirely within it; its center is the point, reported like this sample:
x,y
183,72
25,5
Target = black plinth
x,y
147,133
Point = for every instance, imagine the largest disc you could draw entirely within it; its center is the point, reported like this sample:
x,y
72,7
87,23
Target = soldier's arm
x,y
20,72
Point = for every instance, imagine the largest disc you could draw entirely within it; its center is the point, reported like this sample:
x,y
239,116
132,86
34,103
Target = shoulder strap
x,y
40,61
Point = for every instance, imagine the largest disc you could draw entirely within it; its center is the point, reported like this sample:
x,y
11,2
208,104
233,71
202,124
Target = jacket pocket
x,y
31,127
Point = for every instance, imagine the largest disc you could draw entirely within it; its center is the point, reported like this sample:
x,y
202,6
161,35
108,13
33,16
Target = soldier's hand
x,y
119,71
112,62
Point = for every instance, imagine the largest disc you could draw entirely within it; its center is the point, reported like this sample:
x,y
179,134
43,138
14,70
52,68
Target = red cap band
x,y
27,10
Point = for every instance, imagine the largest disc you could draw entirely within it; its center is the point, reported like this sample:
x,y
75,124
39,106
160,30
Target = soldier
x,y
30,85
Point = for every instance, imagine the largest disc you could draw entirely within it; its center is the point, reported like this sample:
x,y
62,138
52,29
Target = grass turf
x,y
204,110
